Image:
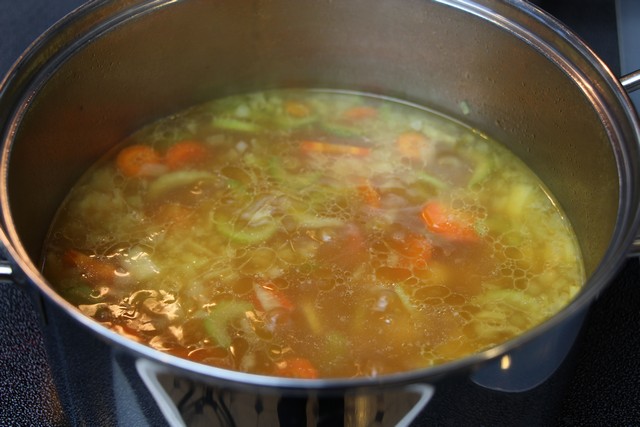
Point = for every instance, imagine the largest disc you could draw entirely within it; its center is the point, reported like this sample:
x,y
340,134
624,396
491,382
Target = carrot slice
x,y
359,113
418,247
329,148
453,225
296,367
369,194
268,297
186,153
139,161
297,109
417,250
412,144
93,269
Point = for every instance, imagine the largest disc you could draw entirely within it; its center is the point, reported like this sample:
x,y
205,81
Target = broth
x,y
313,234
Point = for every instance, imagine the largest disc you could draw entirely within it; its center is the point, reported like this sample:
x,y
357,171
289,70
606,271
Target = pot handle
x,y
185,402
631,82
6,270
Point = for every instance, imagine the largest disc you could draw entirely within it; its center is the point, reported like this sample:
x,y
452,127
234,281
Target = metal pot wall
x,y
502,67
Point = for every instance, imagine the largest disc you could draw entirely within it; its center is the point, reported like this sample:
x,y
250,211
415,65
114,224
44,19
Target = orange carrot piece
x,y
411,144
417,251
186,153
138,161
369,194
92,268
329,148
296,367
297,109
268,297
418,247
359,113
452,225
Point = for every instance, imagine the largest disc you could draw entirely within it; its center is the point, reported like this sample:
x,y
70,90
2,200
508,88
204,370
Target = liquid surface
x,y
313,234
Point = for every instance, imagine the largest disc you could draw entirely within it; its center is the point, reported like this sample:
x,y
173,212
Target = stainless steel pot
x,y
503,67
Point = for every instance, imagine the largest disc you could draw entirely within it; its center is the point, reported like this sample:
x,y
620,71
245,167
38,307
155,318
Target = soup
x,y
313,234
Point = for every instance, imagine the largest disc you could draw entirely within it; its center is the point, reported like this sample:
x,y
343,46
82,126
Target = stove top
x,y
601,382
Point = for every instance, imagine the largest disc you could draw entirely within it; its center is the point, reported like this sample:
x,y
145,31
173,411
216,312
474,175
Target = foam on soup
x,y
313,234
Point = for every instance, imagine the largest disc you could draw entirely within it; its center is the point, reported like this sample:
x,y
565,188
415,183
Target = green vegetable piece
x,y
222,316
481,172
237,125
405,299
295,181
341,130
176,179
307,220
311,315
431,180
247,235
287,122
336,346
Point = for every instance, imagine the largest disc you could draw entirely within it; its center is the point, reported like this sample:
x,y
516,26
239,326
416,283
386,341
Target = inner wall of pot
x,y
187,52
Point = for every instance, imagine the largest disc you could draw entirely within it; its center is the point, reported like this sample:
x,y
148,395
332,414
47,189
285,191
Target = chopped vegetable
x,y
291,180
221,318
269,297
341,130
431,180
369,194
176,179
518,200
417,248
481,171
360,113
140,265
92,268
311,315
247,234
297,109
312,234
330,148
185,154
448,223
296,367
139,161
237,125
405,298
412,144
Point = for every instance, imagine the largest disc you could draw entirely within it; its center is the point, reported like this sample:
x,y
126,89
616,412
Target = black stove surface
x,y
601,384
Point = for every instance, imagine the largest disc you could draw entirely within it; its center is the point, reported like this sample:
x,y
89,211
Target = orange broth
x,y
313,234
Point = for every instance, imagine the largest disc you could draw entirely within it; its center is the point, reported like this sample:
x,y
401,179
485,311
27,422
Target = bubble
x,y
455,300
521,283
434,301
427,292
513,253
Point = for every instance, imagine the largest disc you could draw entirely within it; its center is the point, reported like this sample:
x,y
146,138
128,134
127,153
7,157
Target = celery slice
x,y
177,179
287,122
247,235
431,180
295,181
238,125
341,130
220,318
311,315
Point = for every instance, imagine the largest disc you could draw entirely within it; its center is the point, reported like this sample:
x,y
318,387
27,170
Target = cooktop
x,y
601,381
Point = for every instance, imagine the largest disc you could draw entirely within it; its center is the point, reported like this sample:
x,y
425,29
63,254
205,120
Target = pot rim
x,y
508,15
